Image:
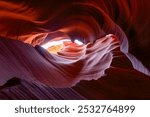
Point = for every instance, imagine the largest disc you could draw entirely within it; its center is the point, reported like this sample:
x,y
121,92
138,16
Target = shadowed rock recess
x,y
74,49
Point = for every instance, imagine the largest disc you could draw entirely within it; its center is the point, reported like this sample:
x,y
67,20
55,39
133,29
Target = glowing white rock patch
x,y
78,42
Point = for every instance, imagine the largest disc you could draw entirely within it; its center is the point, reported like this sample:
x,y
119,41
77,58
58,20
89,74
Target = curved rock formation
x,y
115,39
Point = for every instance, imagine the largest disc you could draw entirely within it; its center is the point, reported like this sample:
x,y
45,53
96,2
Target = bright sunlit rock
x,y
54,43
78,42
56,46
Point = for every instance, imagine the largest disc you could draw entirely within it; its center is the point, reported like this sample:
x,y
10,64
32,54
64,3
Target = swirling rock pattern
x,y
115,36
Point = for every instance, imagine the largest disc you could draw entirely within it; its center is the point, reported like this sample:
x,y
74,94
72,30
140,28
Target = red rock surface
x,y
113,62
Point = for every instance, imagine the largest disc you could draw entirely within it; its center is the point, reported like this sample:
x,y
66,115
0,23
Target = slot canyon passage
x,y
74,49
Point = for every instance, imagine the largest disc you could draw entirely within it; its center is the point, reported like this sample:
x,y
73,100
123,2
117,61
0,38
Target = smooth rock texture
x,y
113,62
